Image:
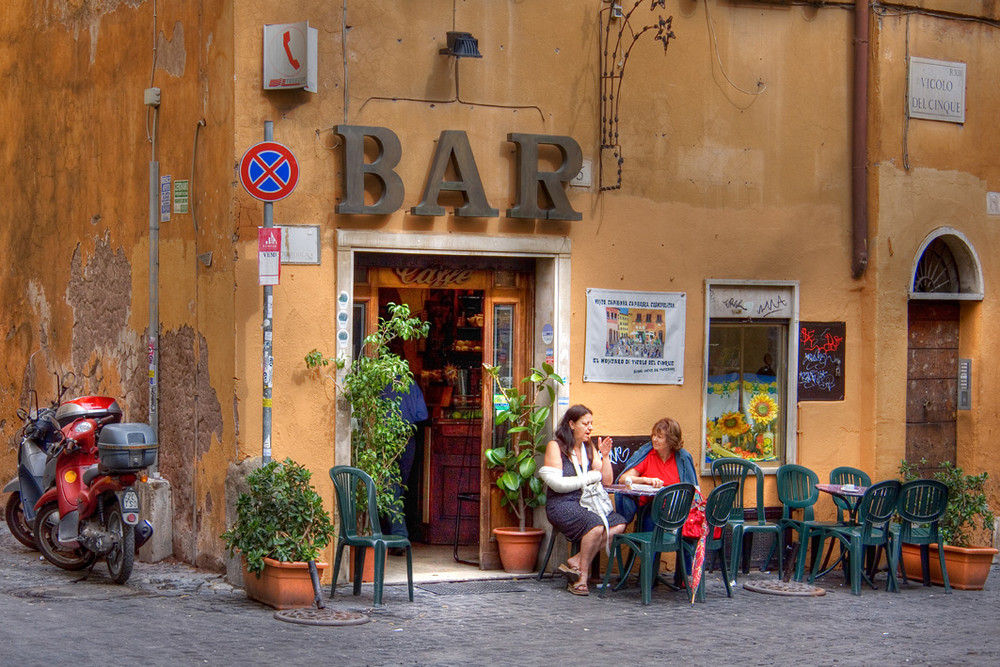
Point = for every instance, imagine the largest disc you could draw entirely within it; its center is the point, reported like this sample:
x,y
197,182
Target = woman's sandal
x,y
571,573
579,588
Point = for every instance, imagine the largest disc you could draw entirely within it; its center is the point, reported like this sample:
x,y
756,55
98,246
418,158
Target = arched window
x,y
946,267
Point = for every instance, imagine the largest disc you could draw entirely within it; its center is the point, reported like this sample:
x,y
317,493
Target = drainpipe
x,y
859,147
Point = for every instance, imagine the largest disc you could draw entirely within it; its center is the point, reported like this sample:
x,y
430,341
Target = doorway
x,y
477,315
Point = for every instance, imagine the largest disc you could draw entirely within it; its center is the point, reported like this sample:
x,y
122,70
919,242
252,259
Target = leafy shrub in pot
x,y
280,516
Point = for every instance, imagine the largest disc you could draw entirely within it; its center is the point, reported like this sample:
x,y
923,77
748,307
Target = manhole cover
x,y
85,592
473,587
313,616
779,587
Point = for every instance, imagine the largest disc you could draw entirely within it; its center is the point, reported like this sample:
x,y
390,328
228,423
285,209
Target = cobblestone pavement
x,y
171,614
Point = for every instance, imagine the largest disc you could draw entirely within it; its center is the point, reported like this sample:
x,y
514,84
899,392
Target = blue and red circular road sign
x,y
269,171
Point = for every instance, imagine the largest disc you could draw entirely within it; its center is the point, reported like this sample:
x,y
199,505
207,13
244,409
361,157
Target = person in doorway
x,y
766,369
414,410
572,464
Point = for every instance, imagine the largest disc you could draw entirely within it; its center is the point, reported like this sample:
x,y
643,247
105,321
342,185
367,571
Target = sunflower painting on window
x,y
749,436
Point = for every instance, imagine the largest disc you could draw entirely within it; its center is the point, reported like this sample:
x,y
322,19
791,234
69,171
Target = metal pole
x,y
268,360
154,291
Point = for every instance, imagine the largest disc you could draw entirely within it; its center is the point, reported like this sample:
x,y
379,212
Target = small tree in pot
x,y
527,420
373,385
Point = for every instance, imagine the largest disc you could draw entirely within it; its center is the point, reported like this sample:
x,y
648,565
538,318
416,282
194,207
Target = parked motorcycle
x,y
35,471
92,511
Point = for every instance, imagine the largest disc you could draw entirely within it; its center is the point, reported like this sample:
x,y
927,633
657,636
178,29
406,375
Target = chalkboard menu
x,y
821,361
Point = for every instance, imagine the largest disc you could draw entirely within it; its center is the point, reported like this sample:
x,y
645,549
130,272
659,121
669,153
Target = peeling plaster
x,y
78,15
190,415
100,295
171,56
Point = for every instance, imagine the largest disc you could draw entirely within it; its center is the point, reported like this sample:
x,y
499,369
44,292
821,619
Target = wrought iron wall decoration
x,y
619,36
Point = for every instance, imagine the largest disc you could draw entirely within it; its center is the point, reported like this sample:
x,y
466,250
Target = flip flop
x,y
571,573
579,588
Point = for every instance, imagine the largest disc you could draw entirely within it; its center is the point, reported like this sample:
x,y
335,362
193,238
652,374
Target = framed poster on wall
x,y
635,337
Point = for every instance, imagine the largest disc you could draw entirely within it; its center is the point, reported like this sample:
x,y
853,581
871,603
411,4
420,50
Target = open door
x,y
508,315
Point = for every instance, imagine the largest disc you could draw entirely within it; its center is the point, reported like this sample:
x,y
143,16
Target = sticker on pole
x,y
268,171
269,255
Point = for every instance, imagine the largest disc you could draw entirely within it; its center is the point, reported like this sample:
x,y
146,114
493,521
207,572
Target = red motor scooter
x,y
35,471
93,509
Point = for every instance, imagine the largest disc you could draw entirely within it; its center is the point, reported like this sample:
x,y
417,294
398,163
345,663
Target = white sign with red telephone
x,y
290,55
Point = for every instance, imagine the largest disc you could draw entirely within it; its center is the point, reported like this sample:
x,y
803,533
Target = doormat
x,y
779,587
473,587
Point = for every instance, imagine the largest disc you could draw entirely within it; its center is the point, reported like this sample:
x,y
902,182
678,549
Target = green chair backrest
x,y
670,507
345,481
877,508
847,475
797,490
719,505
737,470
922,503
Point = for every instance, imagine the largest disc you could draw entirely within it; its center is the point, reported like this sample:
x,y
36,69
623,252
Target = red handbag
x,y
696,520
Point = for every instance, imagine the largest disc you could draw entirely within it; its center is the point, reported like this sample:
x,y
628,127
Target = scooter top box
x,y
127,447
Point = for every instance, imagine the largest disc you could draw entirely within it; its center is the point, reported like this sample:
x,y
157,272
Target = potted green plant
x,y
967,515
280,527
526,415
373,386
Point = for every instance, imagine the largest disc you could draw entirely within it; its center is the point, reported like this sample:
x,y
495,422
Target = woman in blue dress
x,y
572,462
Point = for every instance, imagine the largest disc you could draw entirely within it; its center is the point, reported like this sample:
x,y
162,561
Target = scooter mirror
x,y
22,414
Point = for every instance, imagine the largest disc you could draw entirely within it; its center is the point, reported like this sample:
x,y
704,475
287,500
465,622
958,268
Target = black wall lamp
x,y
461,45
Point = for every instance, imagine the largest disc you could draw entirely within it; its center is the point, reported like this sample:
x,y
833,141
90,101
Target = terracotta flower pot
x,y
368,572
281,585
968,567
518,549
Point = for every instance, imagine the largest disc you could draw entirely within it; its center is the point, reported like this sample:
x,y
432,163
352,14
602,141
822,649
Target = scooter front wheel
x,y
122,557
19,528
46,531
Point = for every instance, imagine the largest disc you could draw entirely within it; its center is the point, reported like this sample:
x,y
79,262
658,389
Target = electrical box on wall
x,y
290,56
965,384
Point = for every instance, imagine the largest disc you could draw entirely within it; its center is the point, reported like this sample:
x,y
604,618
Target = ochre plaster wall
x,y
75,230
929,175
737,166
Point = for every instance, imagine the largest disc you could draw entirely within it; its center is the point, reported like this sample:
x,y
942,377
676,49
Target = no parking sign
x,y
269,171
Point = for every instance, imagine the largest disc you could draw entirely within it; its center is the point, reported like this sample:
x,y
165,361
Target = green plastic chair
x,y
737,470
797,491
874,529
718,507
847,475
346,480
670,507
922,503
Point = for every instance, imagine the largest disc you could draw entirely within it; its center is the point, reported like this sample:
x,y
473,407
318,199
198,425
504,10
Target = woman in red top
x,y
660,467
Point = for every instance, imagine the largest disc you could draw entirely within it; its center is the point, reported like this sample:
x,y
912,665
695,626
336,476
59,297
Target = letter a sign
x,y
269,255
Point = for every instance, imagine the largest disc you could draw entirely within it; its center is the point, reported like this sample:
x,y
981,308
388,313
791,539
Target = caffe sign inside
x,y
533,184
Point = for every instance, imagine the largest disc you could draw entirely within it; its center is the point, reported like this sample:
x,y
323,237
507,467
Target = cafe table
x,y
640,491
851,495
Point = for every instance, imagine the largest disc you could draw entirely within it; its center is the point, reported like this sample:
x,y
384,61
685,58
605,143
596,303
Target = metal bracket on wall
x,y
615,48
